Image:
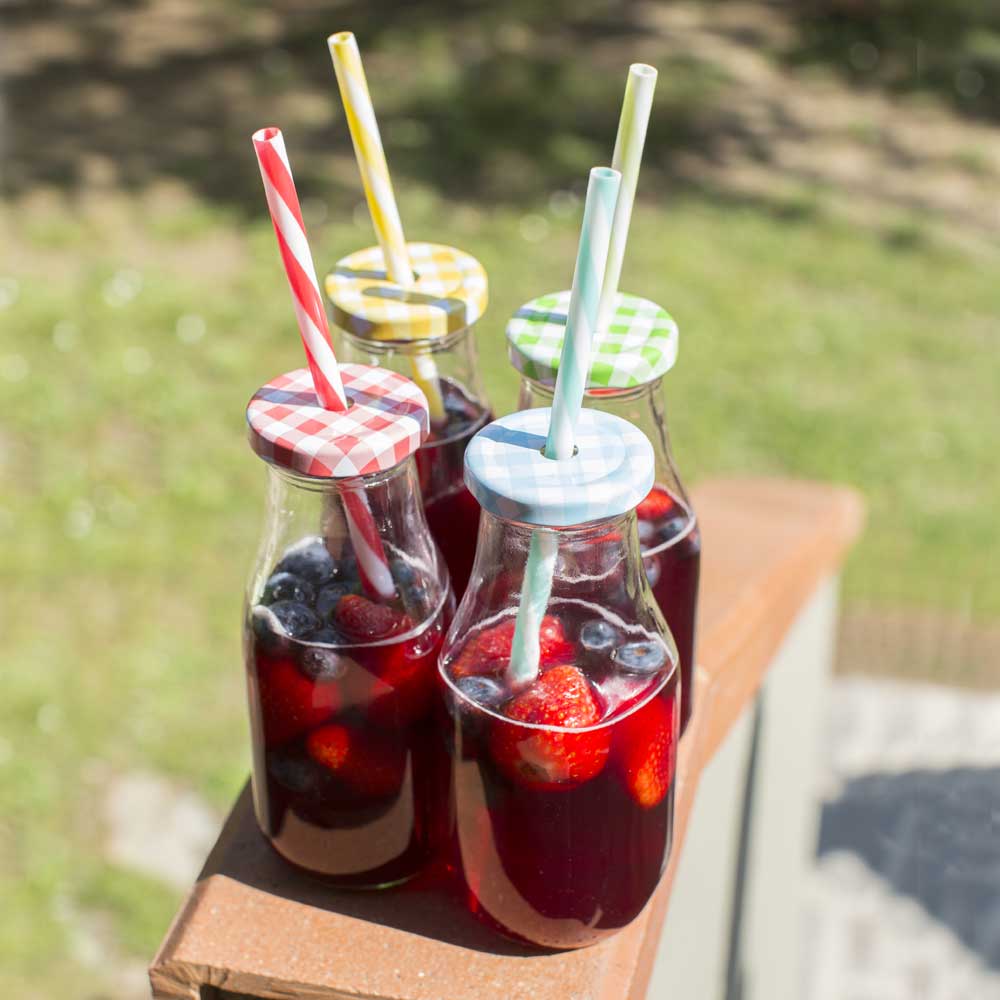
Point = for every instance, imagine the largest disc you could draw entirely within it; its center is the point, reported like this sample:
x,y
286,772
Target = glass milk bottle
x,y
425,332
346,608
563,775
628,363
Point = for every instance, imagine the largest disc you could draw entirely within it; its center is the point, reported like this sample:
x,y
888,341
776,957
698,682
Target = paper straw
x,y
374,171
370,155
627,159
373,567
574,364
286,216
581,319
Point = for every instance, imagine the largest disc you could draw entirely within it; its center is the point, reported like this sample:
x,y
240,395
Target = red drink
x,y
671,555
452,513
563,792
350,783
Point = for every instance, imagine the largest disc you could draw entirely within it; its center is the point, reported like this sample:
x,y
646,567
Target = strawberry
x,y
402,683
290,703
657,505
362,620
552,759
645,750
367,764
489,651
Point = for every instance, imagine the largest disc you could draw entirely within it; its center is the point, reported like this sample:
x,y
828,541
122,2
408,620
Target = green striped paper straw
x,y
632,127
574,363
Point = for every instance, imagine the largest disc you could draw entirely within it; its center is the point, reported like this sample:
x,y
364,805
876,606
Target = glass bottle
x,y
426,333
626,379
346,608
562,779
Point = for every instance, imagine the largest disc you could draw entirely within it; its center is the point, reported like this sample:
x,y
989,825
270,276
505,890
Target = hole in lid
x,y
576,451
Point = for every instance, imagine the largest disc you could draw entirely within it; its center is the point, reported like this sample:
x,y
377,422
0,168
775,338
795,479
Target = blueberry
x,y
641,657
482,691
267,629
672,528
309,559
322,664
295,619
651,564
300,775
347,568
329,635
287,587
402,572
597,636
415,597
329,597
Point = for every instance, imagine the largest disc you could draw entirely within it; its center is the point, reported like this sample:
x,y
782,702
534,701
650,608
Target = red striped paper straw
x,y
373,567
286,216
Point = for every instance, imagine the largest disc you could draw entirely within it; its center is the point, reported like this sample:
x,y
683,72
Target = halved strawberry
x,y
362,620
552,758
290,702
656,506
370,766
645,750
489,651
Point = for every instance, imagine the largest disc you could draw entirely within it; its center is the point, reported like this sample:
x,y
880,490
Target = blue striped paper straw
x,y
567,400
584,300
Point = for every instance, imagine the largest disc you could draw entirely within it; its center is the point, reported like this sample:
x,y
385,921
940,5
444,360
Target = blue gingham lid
x,y
610,473
638,346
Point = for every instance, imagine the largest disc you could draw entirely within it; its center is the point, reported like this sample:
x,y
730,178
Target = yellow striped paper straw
x,y
371,157
378,191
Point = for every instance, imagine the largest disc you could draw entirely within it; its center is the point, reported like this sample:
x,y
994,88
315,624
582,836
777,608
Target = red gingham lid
x,y
386,422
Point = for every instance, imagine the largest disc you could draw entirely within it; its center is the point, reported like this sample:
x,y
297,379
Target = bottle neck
x,y
574,534
452,359
285,478
387,502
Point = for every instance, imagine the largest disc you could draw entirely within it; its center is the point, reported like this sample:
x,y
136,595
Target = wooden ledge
x,y
252,926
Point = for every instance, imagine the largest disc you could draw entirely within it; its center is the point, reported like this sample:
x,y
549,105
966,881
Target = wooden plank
x,y
251,925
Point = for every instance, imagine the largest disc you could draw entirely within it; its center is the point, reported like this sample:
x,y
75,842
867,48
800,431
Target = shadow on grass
x,y
508,102
948,49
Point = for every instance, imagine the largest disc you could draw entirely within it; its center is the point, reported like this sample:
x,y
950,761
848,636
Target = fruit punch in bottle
x,y
425,331
562,780
345,614
628,361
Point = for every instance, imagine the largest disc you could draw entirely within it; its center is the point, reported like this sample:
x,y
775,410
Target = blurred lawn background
x,y
819,209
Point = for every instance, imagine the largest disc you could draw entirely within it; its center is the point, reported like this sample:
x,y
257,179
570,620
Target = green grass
x,y
809,347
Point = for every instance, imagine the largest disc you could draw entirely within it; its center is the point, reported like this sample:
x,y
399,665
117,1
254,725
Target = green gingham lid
x,y
639,345
610,471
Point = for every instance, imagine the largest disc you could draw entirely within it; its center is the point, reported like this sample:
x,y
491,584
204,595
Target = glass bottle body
x,y
452,375
562,786
347,781
668,526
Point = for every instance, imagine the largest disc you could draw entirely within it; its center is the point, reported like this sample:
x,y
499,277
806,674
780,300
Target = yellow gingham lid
x,y
449,294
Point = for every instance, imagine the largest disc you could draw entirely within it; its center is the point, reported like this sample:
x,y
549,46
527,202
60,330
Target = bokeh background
x,y
819,208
